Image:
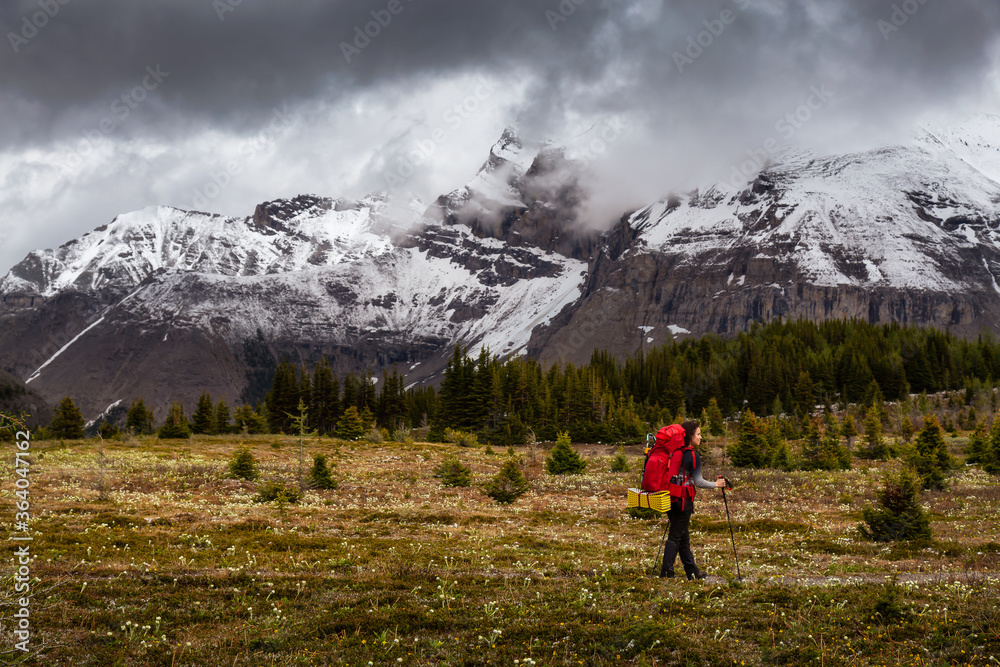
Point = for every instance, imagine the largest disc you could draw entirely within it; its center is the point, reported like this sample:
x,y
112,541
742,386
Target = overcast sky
x,y
219,105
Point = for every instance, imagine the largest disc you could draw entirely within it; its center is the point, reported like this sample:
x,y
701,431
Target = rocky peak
x,y
274,214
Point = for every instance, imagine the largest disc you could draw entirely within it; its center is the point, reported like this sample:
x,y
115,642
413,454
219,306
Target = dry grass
x,y
178,565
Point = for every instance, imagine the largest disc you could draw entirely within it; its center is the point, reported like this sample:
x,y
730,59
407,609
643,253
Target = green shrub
x,y
243,465
277,491
507,485
403,435
453,473
620,462
888,608
461,438
319,476
900,516
564,460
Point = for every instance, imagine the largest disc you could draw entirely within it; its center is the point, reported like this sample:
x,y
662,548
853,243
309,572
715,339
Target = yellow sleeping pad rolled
x,y
658,502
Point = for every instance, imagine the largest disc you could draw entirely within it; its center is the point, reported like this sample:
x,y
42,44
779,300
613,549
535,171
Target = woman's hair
x,y
689,428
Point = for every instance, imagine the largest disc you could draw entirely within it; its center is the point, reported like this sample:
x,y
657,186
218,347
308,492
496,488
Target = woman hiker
x,y
679,442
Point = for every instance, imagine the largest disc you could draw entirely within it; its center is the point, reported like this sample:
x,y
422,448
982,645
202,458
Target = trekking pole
x,y
739,577
660,546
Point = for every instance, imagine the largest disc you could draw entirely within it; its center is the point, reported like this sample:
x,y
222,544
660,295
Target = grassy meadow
x,y
146,553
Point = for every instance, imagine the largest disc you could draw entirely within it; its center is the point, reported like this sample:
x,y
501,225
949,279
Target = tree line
x,y
780,368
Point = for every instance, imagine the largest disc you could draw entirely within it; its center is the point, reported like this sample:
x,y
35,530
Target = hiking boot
x,y
669,574
695,573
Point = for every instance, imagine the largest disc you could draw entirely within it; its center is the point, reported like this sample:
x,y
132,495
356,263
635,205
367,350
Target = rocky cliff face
x,y
164,303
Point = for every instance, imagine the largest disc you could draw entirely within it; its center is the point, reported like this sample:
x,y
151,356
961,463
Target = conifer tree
x,y
67,422
900,516
977,450
392,401
930,455
781,457
350,394
453,473
203,419
139,419
319,475
564,460
906,429
873,396
507,485
324,400
805,394
367,393
247,420
222,417
367,418
848,430
243,465
283,398
991,458
350,426
716,426
750,448
176,424
812,445
875,446
673,393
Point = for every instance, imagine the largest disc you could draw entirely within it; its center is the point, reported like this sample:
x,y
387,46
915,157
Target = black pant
x,y
679,539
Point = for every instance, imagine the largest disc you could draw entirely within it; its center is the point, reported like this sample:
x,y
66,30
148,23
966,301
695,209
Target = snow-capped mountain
x,y
164,304
903,233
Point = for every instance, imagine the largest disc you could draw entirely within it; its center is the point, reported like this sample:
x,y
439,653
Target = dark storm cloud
x,y
232,62
696,85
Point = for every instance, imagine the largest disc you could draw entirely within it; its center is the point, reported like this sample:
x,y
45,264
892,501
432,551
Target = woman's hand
x,y
720,483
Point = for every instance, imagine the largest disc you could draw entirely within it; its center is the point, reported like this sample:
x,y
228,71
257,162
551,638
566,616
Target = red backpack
x,y
663,470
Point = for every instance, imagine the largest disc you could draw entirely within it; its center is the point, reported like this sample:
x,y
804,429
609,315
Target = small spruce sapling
x,y
620,462
319,475
900,516
453,473
564,460
930,455
243,465
507,485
